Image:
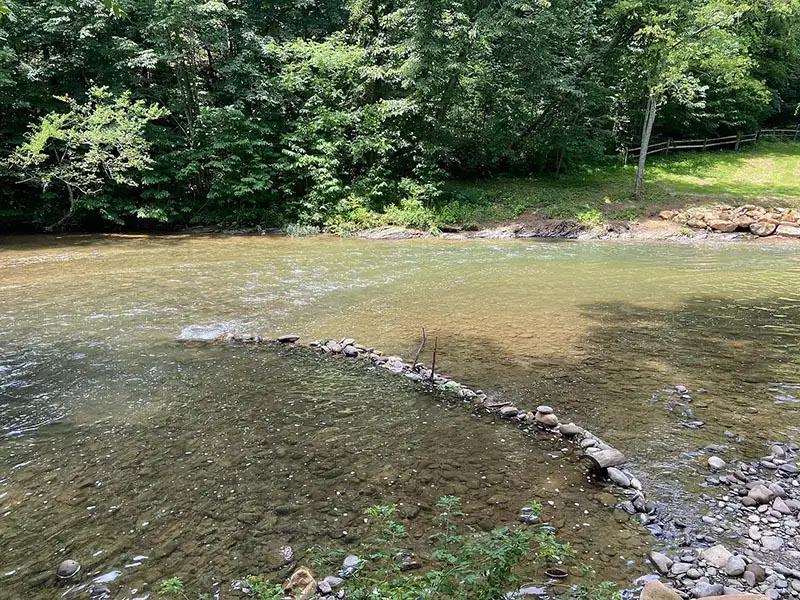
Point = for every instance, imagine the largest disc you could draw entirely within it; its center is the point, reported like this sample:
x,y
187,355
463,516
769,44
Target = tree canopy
x,y
325,112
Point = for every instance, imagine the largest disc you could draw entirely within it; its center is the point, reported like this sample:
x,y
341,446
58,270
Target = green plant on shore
x,y
173,588
262,589
464,564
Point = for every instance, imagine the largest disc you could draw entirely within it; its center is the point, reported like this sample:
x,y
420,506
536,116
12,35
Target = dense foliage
x,y
345,113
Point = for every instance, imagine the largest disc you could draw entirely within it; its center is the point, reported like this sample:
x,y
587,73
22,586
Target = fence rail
x,y
703,144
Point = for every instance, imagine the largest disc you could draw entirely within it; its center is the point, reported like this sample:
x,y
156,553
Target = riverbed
x,y
121,446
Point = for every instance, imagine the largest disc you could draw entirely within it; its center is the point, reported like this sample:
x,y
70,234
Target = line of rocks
x,y
749,218
606,460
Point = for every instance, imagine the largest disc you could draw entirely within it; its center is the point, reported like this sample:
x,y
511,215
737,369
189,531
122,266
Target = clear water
x,y
117,441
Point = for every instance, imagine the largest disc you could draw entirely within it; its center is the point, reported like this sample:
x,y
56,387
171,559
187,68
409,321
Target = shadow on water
x,y
739,361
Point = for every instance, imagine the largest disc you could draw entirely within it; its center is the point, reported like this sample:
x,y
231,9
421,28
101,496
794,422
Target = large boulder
x,y
655,590
722,225
763,228
788,230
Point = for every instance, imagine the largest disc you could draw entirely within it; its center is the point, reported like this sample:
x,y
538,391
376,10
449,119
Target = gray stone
x,y
703,589
717,556
544,409
761,494
694,574
781,506
715,463
618,477
68,569
662,562
771,542
288,339
571,430
679,568
735,566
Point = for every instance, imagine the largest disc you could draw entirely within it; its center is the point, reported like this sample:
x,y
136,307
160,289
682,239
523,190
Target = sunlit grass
x,y
768,174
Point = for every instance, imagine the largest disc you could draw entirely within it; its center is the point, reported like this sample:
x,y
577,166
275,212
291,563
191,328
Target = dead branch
x,y
419,350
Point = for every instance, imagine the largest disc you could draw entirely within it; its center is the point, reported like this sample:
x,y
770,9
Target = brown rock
x,y
763,228
722,225
655,590
301,585
667,215
788,230
547,420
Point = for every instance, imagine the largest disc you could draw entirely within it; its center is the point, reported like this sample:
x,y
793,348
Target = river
x,y
135,453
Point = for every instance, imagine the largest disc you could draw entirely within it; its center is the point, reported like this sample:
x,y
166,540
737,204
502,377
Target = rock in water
x,y
546,419
609,457
571,430
717,556
715,463
618,477
68,569
288,339
655,590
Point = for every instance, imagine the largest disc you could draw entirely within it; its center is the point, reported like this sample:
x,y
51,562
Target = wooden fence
x,y
703,144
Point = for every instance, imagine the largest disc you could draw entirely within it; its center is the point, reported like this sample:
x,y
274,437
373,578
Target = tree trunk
x,y
65,218
647,129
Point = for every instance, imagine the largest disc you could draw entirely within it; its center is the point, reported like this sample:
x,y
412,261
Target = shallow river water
x,y
117,442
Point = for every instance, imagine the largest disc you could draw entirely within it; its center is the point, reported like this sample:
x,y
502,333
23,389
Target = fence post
x,y
705,141
669,141
738,140
624,157
758,134
797,132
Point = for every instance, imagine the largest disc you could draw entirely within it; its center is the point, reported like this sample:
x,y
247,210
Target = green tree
x,y
90,144
676,40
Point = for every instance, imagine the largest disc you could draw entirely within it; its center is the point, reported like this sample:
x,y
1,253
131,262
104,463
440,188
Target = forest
x,y
341,114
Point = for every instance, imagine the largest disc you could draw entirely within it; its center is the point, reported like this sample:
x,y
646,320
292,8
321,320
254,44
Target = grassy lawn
x,y
768,174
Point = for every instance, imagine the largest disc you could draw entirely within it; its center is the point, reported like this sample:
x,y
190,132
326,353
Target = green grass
x,y
768,174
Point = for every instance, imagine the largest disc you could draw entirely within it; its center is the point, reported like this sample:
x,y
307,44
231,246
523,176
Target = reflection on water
x,y
188,440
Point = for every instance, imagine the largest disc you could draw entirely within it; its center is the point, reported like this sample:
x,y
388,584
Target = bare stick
x,y
420,349
433,361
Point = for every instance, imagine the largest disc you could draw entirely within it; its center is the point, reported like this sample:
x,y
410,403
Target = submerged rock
x,y
68,569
